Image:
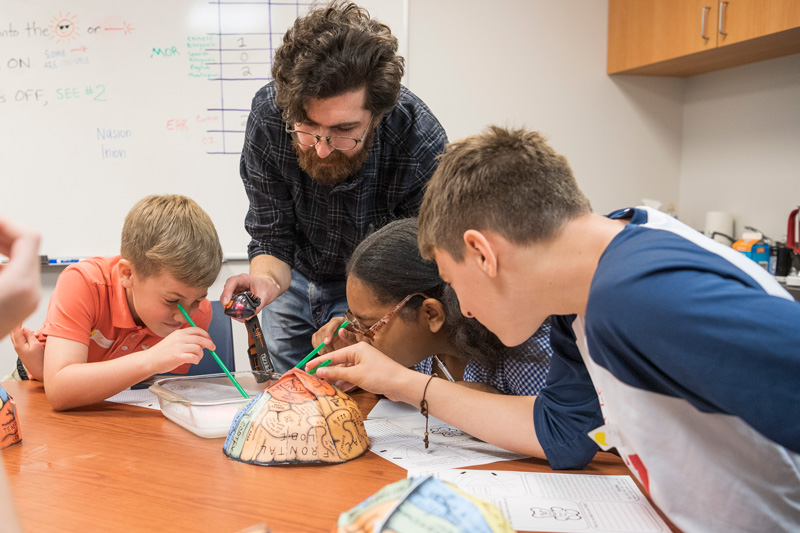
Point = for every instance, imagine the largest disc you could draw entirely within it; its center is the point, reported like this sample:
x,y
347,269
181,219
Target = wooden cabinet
x,y
688,37
740,20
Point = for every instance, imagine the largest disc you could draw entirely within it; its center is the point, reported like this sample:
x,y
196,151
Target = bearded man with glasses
x,y
335,148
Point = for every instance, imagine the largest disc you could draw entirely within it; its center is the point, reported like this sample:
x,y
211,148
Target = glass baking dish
x,y
206,405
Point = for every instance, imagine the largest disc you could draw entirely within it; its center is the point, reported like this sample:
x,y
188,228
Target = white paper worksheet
x,y
534,501
397,436
140,397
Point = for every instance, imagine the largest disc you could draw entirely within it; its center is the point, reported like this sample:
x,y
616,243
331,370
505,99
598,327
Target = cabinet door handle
x,y
703,23
722,8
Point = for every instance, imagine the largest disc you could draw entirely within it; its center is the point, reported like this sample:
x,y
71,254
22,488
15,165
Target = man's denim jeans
x,y
291,320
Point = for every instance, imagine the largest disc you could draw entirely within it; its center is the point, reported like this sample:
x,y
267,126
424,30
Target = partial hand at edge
x,y
20,281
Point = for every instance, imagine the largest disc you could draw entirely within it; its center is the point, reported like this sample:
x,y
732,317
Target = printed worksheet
x,y
398,434
389,409
140,397
534,501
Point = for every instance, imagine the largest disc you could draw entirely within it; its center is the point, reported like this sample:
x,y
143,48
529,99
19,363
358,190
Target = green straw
x,y
324,363
314,352
216,357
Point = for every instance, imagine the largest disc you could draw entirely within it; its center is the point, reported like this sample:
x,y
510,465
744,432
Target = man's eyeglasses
x,y
342,144
356,327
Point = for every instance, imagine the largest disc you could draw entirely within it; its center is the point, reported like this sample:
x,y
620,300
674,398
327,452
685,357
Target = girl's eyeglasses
x,y
356,327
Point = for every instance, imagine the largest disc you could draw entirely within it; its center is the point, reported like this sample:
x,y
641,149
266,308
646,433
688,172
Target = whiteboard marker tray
x,y
206,405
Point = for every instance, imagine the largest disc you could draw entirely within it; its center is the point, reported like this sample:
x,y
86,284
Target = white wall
x,y
741,145
541,64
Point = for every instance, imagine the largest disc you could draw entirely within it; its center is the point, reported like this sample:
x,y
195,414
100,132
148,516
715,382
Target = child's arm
x,y
502,420
71,382
484,387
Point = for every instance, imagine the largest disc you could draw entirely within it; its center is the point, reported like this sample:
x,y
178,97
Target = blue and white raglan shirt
x,y
522,372
694,351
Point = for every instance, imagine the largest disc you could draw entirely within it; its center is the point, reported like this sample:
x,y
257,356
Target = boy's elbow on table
x,y
572,456
58,400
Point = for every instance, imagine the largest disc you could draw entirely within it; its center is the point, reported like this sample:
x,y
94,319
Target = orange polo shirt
x,y
89,306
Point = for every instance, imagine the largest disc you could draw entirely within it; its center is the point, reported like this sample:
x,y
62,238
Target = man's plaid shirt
x,y
315,228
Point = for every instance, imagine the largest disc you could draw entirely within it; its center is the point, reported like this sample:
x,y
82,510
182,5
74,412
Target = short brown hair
x,y
171,233
507,181
334,50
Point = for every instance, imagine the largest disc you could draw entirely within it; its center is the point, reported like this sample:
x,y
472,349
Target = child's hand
x,y
29,350
363,365
332,340
178,348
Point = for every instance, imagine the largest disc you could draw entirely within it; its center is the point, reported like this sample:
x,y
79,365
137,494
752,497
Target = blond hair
x,y
507,181
171,233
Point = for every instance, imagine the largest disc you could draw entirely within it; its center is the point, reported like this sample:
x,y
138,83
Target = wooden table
x,y
114,467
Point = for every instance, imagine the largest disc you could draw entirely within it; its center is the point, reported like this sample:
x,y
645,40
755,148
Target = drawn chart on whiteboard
x,y
244,44
246,38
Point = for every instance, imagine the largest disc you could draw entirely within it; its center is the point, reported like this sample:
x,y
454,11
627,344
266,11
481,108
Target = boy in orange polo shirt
x,y
114,321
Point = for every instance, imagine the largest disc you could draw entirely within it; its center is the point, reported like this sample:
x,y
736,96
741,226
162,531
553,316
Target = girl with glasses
x,y
399,304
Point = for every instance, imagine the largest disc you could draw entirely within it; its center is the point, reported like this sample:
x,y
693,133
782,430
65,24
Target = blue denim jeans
x,y
291,320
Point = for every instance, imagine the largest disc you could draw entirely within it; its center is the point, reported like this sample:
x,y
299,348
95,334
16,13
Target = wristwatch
x,y
23,374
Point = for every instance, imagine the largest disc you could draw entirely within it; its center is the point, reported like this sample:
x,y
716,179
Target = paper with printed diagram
x,y
533,501
397,437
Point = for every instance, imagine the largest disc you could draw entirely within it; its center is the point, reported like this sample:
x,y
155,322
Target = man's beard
x,y
335,168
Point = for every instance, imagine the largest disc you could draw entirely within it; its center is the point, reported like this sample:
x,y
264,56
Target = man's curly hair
x,y
334,50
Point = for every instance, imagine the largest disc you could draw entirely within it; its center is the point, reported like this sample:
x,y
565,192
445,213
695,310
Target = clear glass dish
x,y
206,405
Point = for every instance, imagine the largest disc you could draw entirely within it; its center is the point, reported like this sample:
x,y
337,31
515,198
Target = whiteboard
x,y
103,103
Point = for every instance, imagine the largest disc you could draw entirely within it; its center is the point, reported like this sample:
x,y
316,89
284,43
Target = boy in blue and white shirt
x,y
680,353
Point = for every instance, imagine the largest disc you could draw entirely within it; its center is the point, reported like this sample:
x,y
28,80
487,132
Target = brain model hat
x,y
300,419
423,504
9,425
